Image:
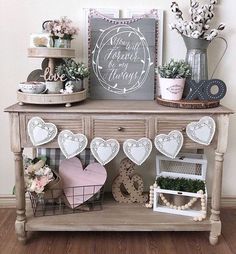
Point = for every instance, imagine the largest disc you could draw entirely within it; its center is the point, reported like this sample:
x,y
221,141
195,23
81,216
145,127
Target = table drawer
x,y
165,126
120,128
72,122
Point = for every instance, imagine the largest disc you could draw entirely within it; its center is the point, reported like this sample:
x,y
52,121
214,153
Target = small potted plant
x,y
75,73
172,79
61,31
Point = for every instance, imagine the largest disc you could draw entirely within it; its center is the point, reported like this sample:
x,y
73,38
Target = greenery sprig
x,y
174,69
180,184
73,70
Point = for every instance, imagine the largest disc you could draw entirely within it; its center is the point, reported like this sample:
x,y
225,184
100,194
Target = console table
x,y
119,120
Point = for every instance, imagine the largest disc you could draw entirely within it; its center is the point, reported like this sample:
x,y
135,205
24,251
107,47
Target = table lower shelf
x,y
116,217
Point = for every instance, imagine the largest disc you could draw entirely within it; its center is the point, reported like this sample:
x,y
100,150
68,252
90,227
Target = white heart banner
x,y
104,150
202,131
137,150
71,144
169,144
40,132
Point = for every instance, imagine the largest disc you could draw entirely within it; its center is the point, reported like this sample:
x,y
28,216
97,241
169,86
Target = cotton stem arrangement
x,y
199,26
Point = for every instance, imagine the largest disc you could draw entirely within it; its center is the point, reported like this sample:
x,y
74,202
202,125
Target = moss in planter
x,y
180,184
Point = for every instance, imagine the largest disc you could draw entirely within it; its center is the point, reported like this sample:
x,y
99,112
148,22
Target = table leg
x,y
20,197
222,124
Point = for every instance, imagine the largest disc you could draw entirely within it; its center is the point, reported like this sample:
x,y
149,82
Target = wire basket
x,y
82,199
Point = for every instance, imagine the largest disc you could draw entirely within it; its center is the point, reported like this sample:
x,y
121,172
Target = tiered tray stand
x,y
51,54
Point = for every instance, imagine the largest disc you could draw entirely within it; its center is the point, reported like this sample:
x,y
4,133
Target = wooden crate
x,y
186,165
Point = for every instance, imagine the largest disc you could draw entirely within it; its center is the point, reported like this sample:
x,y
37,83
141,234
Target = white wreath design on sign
x,y
110,37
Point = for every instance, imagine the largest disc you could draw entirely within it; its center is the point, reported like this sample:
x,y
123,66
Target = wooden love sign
x,y
48,76
203,90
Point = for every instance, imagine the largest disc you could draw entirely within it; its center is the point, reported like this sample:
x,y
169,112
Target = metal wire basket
x,y
82,199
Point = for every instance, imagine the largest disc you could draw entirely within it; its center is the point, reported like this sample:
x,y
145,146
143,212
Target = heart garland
x,y
137,151
169,144
202,131
40,132
104,150
71,144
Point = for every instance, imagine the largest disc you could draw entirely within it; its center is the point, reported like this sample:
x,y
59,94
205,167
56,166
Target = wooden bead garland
x,y
183,207
151,196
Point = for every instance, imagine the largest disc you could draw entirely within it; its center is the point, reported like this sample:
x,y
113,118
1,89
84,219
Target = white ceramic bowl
x,y
32,87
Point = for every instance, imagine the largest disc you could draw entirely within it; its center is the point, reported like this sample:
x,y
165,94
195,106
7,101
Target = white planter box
x,y
194,211
189,166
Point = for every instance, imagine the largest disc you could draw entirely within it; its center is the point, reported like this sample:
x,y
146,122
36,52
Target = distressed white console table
x,y
119,120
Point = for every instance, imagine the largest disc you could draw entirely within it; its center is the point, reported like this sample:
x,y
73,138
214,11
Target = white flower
x,y
221,27
195,34
32,187
214,33
206,27
213,1
194,4
198,19
172,26
174,7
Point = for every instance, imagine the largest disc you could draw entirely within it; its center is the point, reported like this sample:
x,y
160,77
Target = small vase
x,y
196,57
61,43
54,86
172,89
77,85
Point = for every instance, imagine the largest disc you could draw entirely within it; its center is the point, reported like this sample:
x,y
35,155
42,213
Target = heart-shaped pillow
x,y
40,132
71,144
137,150
169,144
202,131
104,150
81,184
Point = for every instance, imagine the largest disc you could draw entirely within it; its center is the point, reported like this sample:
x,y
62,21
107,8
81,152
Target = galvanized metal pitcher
x,y
196,57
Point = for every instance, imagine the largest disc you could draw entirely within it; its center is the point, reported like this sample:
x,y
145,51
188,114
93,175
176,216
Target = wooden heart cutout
x,y
71,144
40,132
137,150
169,144
202,131
80,184
104,150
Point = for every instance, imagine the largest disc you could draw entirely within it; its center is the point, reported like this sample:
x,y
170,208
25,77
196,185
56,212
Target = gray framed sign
x,y
122,57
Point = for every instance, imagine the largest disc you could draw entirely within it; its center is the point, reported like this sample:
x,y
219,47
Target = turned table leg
x,y
19,176
20,198
222,124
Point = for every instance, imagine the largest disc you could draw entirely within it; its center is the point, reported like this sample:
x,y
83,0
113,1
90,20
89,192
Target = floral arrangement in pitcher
x,y
201,16
37,174
60,28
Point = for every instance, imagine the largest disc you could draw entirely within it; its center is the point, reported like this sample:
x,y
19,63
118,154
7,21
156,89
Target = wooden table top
x,y
114,106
